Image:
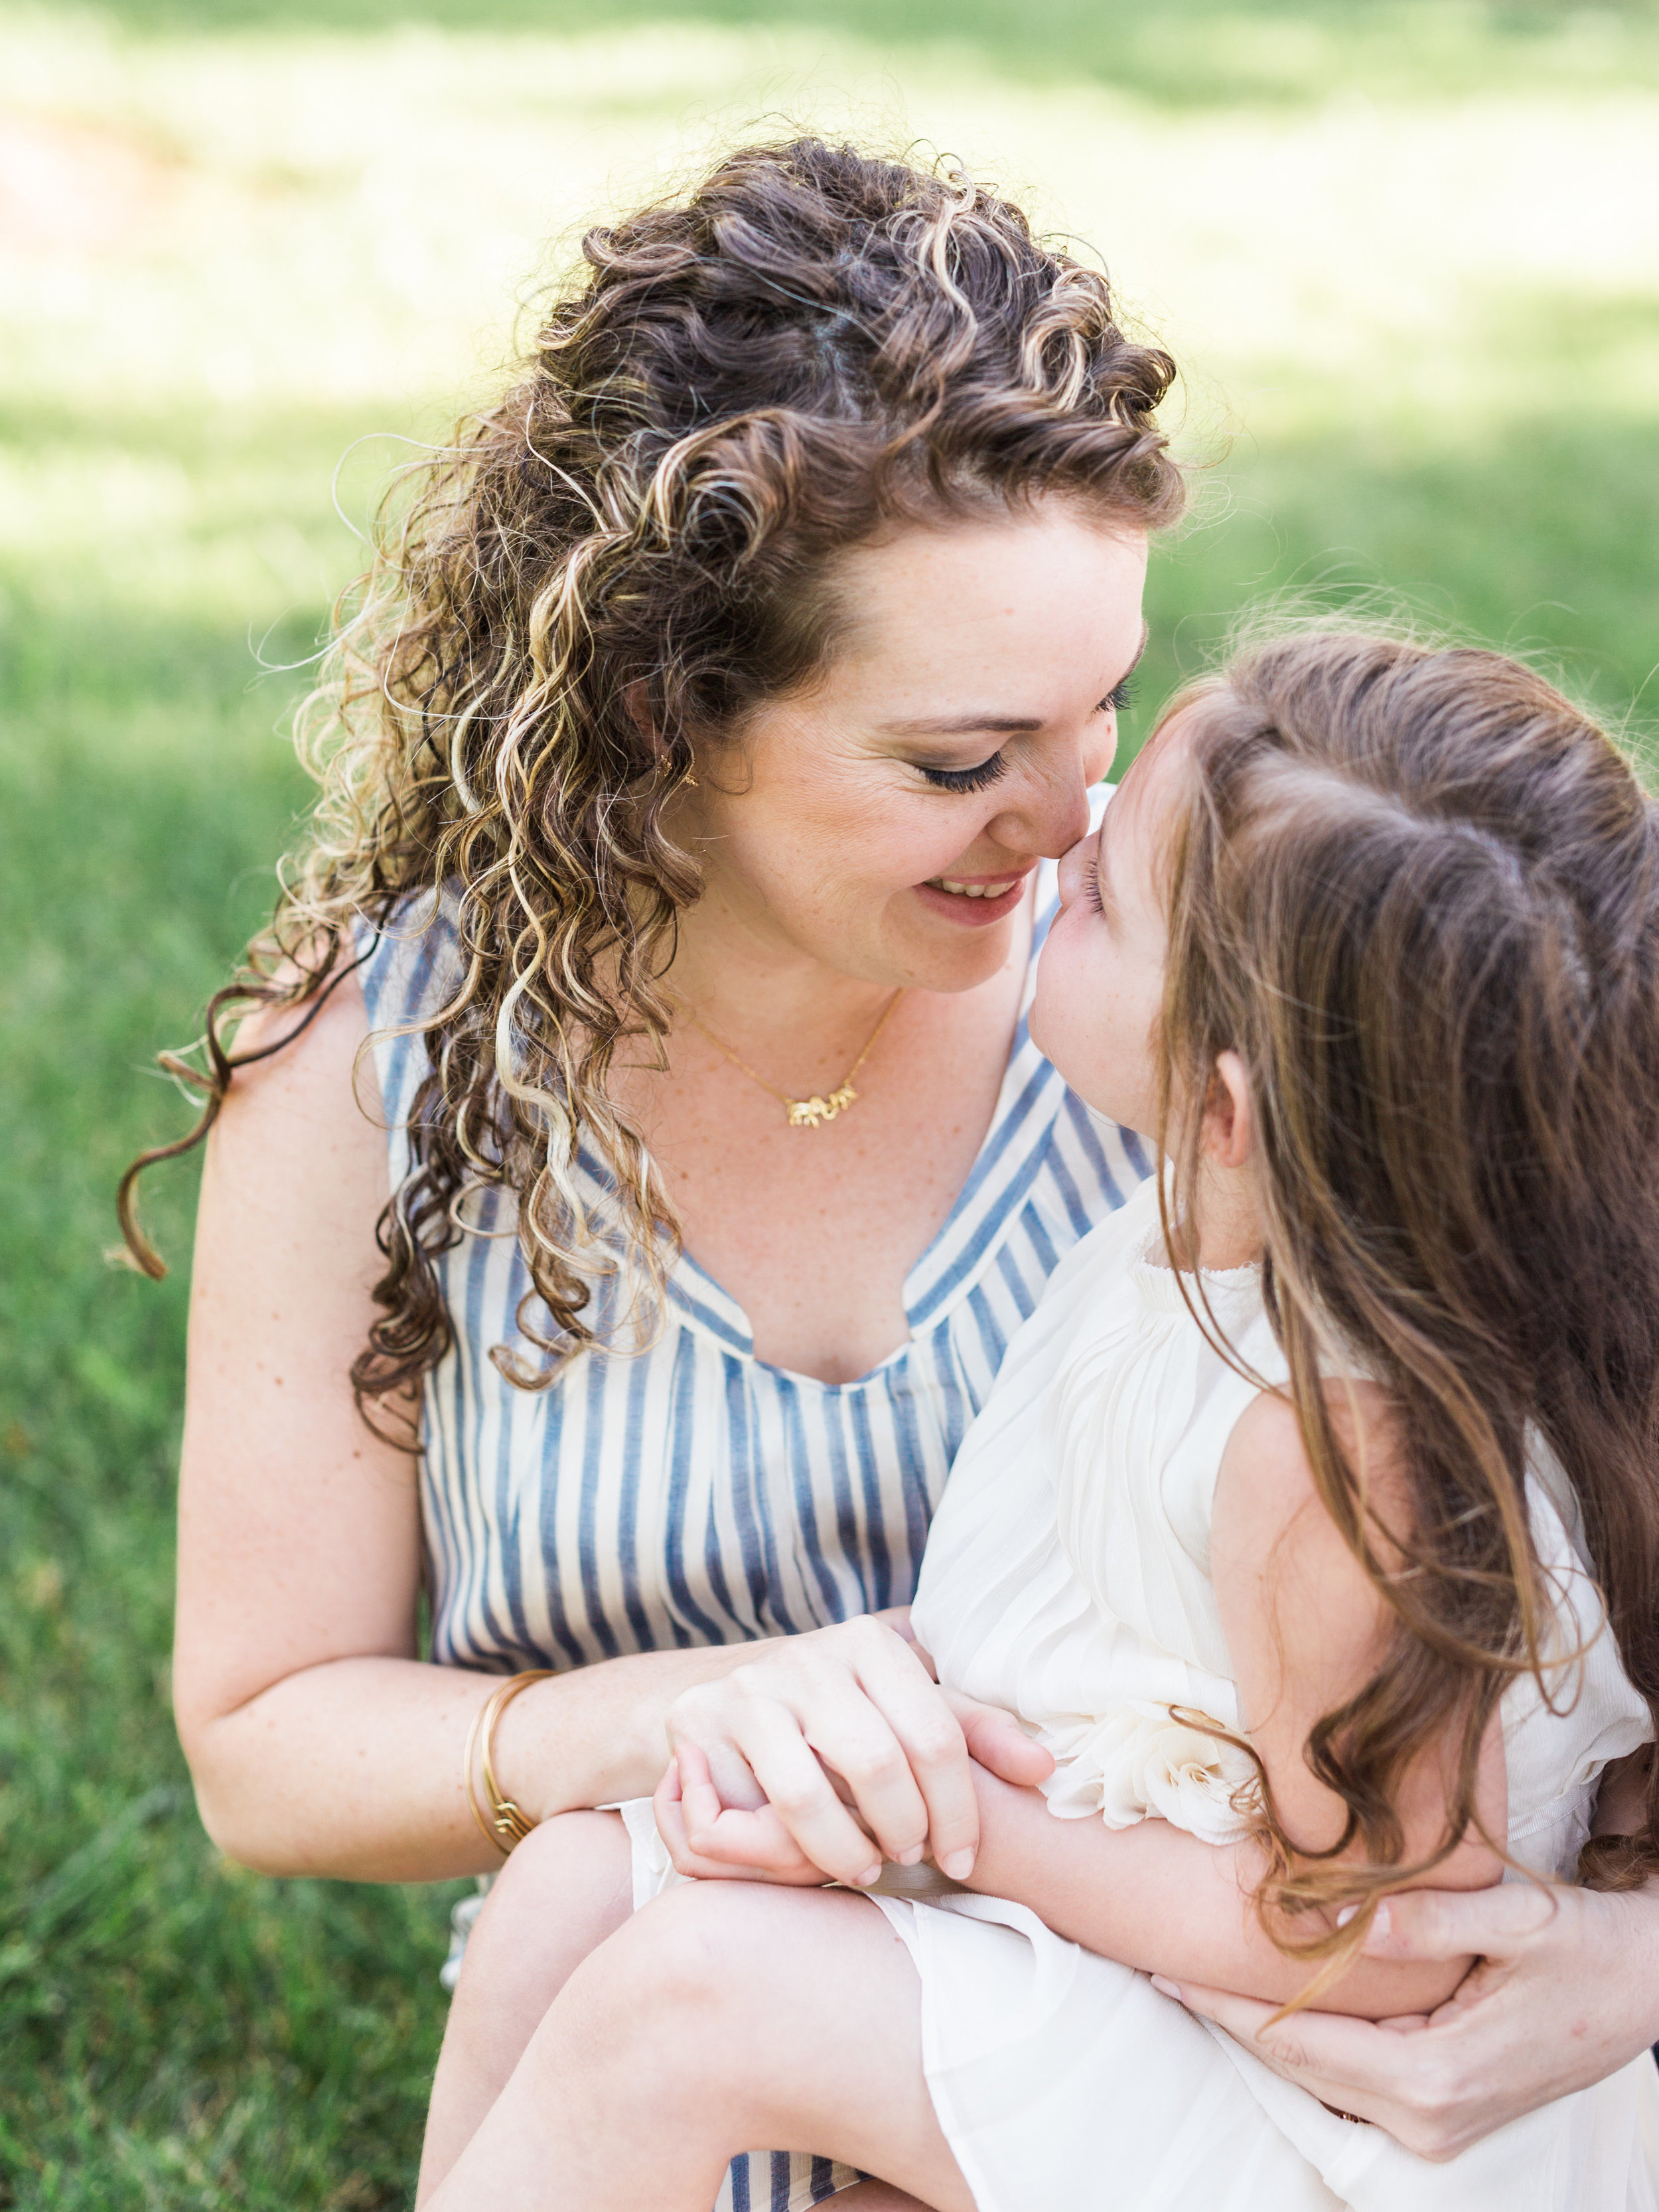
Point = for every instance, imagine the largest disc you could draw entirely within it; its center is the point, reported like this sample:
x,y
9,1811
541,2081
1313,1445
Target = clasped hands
x,y
828,1753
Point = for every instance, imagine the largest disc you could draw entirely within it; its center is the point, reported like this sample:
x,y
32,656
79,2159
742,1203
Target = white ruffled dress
x,y
1066,1579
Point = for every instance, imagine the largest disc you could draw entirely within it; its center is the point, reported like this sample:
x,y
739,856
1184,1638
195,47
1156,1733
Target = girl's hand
x,y
855,1705
756,1846
1565,1991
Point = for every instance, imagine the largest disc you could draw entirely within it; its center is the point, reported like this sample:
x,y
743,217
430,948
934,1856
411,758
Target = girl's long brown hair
x,y
1418,892
811,347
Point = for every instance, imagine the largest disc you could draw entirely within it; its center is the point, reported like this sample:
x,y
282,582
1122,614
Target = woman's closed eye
x,y
979,778
985,773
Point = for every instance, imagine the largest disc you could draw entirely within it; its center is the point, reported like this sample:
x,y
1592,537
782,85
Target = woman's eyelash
x,y
966,778
1091,883
1119,697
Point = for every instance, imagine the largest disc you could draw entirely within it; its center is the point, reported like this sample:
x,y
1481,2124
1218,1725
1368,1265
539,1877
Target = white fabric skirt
x,y
1062,2080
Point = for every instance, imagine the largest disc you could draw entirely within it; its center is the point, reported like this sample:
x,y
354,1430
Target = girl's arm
x,y
1158,1899
1304,1630
319,1740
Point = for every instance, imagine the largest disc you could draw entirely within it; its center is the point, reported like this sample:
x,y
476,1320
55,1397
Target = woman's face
x,y
885,821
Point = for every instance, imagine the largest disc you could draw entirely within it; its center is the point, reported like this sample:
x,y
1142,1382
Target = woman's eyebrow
x,y
962,725
959,726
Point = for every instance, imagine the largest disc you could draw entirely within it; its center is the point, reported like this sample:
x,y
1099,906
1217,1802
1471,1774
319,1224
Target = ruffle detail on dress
x,y
1150,1761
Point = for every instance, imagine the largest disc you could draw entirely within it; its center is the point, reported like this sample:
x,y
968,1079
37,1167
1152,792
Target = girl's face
x,y
1100,978
885,822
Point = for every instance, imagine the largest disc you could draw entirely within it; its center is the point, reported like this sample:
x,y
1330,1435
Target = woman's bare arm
x,y
318,1742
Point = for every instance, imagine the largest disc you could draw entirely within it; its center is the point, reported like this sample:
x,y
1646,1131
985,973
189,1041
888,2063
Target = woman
x,y
690,760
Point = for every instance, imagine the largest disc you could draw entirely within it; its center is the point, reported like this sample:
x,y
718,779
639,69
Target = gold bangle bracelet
x,y
506,1825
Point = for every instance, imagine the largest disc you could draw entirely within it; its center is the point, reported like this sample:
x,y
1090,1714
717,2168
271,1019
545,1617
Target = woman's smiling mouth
x,y
975,900
974,889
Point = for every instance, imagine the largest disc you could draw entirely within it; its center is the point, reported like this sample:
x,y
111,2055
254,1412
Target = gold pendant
x,y
808,1113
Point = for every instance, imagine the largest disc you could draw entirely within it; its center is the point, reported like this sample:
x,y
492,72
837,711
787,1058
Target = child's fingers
x,y
700,1802
746,1853
733,1836
708,1839
670,1821
737,1835
740,1843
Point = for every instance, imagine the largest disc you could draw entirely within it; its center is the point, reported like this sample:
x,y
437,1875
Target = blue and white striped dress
x,y
690,1493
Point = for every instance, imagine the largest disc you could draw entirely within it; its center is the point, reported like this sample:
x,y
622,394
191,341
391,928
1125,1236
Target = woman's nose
x,y
1051,814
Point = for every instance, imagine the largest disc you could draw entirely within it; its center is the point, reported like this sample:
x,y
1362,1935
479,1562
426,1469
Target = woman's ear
x,y
1229,1121
636,699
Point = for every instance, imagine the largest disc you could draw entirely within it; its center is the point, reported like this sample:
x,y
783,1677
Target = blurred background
x,y
1408,251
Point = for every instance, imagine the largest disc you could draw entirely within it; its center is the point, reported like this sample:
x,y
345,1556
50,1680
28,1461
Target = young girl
x,y
1311,1528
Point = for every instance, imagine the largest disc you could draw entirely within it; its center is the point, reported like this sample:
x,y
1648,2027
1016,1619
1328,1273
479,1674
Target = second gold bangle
x,y
505,1824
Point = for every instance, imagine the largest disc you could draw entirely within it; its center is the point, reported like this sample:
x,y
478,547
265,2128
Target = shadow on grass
x,y
178,2033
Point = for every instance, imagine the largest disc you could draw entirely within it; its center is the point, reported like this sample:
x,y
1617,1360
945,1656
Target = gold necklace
x,y
807,1113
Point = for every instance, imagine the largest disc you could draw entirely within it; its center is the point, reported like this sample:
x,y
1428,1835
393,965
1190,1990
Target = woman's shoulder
x,y
410,964
410,960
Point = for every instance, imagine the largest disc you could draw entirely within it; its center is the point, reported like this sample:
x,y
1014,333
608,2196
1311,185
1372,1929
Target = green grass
x,y
1185,53
174,2033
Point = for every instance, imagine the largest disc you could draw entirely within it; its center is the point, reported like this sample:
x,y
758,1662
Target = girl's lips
x,y
969,913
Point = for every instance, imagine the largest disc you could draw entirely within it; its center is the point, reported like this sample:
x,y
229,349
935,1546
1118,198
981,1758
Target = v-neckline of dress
x,y
1028,1101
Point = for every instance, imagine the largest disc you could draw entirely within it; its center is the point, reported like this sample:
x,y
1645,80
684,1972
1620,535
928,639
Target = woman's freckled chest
x,y
813,1231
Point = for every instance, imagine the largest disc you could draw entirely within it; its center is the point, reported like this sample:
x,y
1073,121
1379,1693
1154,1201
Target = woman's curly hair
x,y
810,347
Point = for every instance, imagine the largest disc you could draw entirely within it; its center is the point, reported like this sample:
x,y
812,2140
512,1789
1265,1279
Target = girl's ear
x,y
1229,1123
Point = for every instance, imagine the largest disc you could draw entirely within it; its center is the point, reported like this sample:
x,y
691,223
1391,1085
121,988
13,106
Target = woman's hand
x,y
1565,1991
854,1705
